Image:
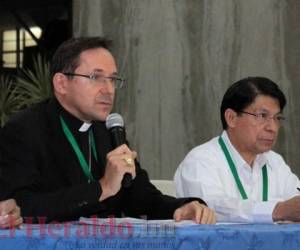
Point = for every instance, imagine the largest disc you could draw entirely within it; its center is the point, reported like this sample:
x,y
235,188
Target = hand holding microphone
x,y
120,166
115,125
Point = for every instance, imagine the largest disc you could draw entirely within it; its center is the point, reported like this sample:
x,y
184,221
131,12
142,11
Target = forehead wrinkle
x,y
266,104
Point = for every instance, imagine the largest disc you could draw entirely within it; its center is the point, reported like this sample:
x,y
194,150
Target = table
x,y
126,236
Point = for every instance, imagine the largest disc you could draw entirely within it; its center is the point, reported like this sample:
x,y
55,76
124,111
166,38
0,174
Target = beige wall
x,y
179,58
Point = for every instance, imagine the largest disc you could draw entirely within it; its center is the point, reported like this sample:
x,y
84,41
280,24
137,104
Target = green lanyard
x,y
85,167
237,178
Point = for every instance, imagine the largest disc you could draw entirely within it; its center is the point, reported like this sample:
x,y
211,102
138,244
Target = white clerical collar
x,y
84,127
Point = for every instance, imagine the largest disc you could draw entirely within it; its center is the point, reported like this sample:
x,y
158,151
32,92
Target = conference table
x,y
114,234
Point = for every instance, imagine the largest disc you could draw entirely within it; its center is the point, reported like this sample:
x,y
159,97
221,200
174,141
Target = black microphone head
x,y
114,120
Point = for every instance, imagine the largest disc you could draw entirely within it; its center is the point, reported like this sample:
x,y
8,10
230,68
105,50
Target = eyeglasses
x,y
264,117
102,79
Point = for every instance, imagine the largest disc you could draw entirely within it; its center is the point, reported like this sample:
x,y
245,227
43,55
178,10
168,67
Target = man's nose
x,y
108,86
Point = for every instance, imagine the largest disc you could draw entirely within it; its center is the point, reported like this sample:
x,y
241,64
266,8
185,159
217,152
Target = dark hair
x,y
66,57
242,93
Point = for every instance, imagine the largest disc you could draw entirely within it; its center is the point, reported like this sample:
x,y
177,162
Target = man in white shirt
x,y
237,173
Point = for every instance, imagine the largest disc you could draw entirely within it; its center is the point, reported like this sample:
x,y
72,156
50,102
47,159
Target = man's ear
x,y
60,83
230,117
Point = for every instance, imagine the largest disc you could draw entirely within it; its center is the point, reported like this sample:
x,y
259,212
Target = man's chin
x,y
265,148
101,116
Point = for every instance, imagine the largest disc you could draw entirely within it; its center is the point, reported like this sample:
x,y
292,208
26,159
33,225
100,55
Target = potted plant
x,y
34,85
31,87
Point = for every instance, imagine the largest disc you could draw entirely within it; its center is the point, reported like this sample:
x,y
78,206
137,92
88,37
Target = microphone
x,y
115,124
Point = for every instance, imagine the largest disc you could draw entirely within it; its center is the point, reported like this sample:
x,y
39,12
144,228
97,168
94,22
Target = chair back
x,y
165,186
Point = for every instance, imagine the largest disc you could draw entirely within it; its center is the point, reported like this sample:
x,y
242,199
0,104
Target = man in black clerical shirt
x,y
58,161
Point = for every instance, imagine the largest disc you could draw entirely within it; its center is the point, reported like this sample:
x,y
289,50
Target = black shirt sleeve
x,y
143,198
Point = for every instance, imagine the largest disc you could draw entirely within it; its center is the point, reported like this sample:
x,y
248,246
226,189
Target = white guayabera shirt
x,y
205,173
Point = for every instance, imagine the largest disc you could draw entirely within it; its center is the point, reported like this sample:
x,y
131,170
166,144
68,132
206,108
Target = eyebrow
x,y
102,71
267,111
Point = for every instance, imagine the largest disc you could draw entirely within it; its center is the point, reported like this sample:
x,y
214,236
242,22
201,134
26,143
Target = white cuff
x,y
262,211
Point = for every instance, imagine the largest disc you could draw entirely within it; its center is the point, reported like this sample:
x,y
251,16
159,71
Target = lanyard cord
x,y
236,175
83,163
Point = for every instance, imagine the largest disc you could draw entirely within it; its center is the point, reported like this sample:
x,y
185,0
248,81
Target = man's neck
x,y
71,110
249,157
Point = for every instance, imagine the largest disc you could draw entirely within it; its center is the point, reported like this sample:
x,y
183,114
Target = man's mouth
x,y
268,140
106,101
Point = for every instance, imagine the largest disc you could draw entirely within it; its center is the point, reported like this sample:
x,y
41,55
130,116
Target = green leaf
x,y
32,87
35,85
